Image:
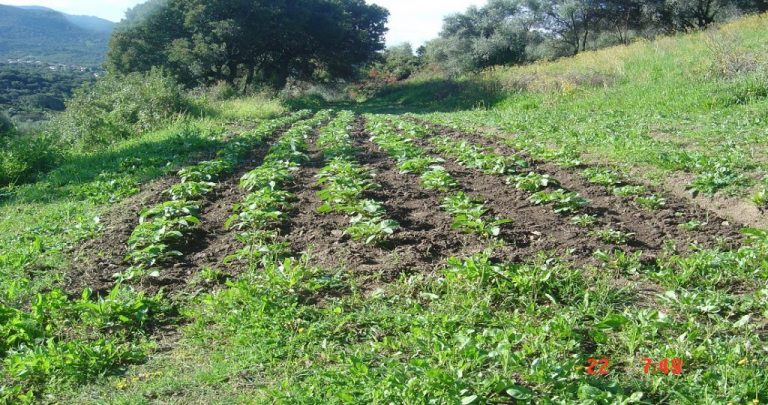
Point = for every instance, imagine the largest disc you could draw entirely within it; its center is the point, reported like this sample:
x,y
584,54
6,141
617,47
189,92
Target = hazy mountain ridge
x,y
42,34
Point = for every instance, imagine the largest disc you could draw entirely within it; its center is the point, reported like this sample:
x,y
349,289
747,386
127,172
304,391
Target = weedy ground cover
x,y
51,341
681,118
477,329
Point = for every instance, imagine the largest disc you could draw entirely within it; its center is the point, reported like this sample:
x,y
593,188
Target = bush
x,y
221,91
22,158
116,108
6,126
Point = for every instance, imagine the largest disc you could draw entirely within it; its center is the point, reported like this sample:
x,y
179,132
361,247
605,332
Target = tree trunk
x,y
232,66
249,77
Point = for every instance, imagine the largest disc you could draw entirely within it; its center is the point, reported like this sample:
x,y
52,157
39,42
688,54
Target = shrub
x,y
23,157
116,108
6,126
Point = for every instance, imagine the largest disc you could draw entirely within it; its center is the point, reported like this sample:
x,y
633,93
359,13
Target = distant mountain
x,y
87,22
41,34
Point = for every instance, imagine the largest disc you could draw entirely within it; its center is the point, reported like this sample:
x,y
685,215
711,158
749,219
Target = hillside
x,y
41,34
589,230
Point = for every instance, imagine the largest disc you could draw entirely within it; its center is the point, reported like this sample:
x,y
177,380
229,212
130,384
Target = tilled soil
x,y
652,228
98,260
424,239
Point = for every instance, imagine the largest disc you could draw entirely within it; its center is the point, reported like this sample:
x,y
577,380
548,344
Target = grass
x,y
253,107
50,340
652,108
474,330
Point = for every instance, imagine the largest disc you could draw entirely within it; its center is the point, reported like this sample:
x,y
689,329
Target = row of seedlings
x,y
544,189
344,183
469,215
167,224
258,216
614,181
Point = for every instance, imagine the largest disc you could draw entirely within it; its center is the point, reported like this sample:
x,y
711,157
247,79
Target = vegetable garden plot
x,y
174,238
533,229
642,217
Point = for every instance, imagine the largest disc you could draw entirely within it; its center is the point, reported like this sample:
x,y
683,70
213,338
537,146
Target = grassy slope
x,y
41,223
467,334
652,107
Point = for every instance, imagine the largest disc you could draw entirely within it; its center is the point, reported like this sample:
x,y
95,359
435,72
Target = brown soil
x,y
652,228
97,260
425,236
739,211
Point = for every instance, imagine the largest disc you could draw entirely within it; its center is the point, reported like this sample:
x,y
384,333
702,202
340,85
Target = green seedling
x,y
437,178
532,182
652,202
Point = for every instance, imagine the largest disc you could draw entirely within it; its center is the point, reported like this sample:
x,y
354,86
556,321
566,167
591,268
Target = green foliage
x,y
116,108
761,198
437,178
371,231
532,182
396,63
613,236
344,184
495,34
653,202
715,179
417,165
50,36
476,157
61,341
584,220
603,177
563,201
31,92
470,216
6,125
208,41
628,191
22,158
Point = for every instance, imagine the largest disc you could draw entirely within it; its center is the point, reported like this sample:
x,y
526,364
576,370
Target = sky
x,y
414,21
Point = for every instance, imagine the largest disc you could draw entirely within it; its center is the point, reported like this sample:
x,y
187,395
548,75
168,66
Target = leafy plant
x,y
761,198
437,178
715,179
584,220
418,165
653,202
191,190
564,202
602,176
470,216
628,191
692,225
532,182
373,230
475,157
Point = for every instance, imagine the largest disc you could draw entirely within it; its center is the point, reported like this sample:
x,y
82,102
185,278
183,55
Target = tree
x,y
398,62
204,41
570,22
494,34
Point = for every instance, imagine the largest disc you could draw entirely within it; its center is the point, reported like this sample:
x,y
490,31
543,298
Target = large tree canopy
x,y
504,32
204,41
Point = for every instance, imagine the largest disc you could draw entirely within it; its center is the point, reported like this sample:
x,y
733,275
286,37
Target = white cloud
x,y
411,21
419,21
